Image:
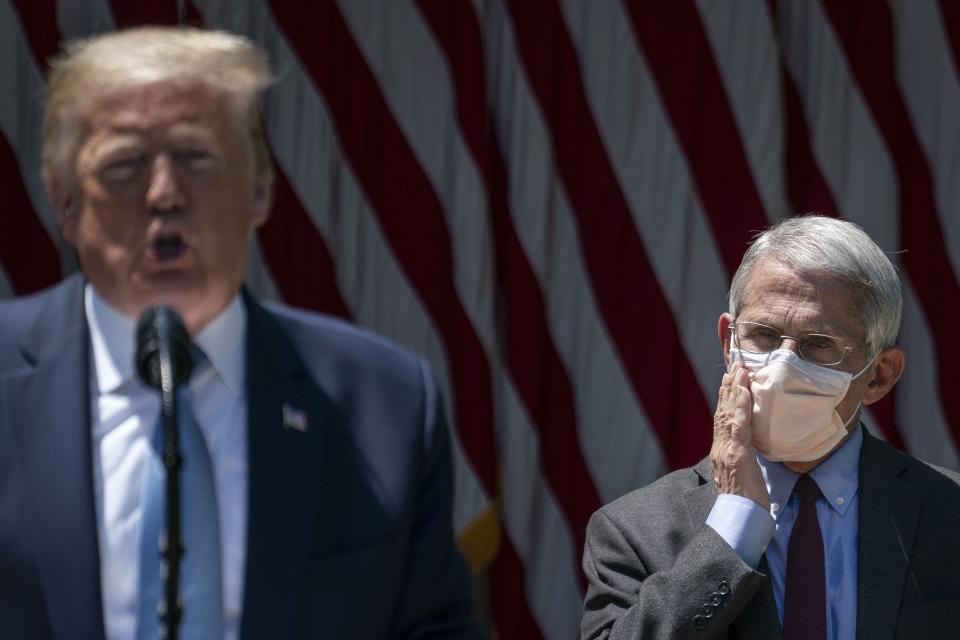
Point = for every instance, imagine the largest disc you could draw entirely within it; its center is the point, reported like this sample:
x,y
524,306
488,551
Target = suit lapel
x,y
889,510
759,619
285,465
53,443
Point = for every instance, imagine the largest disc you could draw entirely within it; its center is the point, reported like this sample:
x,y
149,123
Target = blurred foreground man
x,y
328,477
799,524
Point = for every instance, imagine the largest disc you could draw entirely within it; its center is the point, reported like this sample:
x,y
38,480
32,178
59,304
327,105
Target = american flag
x,y
547,199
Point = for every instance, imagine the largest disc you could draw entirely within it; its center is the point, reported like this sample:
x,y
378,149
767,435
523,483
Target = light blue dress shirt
x,y
751,531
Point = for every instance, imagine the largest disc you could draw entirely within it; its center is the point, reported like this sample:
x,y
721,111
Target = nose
x,y
164,193
787,342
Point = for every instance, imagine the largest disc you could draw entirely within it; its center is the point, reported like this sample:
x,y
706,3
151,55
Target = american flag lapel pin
x,y
294,418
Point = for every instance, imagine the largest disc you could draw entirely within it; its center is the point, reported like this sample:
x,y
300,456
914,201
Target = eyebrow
x,y
127,140
117,144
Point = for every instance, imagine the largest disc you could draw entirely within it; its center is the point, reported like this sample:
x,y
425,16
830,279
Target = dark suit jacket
x,y
653,564
349,524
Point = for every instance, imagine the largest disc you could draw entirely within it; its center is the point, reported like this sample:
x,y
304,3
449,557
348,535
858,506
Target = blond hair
x,y
91,68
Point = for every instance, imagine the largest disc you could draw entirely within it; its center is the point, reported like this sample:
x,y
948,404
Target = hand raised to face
x,y
732,455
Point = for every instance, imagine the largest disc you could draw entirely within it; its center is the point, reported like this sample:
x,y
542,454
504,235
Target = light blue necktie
x,y
201,591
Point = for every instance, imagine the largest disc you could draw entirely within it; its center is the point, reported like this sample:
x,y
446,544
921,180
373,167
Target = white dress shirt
x,y
124,414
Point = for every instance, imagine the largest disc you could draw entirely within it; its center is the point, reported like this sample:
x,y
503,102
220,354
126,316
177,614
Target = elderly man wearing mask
x,y
799,524
317,491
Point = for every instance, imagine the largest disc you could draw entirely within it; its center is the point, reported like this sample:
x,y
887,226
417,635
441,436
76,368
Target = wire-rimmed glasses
x,y
817,348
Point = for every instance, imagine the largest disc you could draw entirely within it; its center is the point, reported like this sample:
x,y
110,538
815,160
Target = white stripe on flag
x,y
406,76
848,148
618,443
21,119
372,284
930,87
655,179
745,48
537,528
926,433
81,19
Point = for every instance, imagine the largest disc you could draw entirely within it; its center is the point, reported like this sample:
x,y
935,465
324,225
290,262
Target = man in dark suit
x,y
329,457
799,524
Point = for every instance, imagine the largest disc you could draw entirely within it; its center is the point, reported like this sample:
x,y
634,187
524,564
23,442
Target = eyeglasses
x,y
817,348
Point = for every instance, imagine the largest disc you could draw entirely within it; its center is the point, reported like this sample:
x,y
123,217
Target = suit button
x,y
699,622
723,587
715,599
707,610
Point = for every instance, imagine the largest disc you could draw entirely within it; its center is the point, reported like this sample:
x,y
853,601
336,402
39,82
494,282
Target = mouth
x,y
167,247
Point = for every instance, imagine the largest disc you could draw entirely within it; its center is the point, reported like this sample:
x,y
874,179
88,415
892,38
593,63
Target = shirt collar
x,y
838,476
112,337
222,341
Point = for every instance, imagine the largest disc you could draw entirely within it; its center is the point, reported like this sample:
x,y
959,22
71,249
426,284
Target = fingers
x,y
741,376
742,403
740,429
732,456
728,380
735,378
732,418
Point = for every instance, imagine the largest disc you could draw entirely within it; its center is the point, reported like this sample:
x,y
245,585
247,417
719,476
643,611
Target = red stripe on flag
x,y
625,287
291,244
412,219
534,362
884,414
192,16
678,52
512,615
127,13
807,189
405,203
866,33
26,251
950,9
809,192
39,20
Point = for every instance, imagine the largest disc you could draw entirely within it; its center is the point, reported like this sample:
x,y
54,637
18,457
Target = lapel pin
x,y
294,418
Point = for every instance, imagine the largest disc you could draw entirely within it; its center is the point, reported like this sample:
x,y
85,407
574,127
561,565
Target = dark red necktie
x,y
805,602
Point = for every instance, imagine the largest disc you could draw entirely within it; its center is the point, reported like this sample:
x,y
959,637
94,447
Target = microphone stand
x,y
164,362
171,546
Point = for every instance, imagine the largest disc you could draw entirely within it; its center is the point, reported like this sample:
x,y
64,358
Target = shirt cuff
x,y
743,524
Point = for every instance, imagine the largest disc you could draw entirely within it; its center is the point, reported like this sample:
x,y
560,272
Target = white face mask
x,y
794,404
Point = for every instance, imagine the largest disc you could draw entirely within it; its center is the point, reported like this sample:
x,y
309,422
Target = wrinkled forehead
x,y
159,105
802,301
160,115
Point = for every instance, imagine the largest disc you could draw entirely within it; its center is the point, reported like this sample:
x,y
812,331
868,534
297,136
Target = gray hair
x,y
91,68
821,244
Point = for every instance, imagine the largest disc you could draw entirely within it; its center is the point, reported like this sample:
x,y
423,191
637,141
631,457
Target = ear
x,y
887,369
65,208
723,332
262,199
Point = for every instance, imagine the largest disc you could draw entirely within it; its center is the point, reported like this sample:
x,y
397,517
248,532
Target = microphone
x,y
164,361
163,344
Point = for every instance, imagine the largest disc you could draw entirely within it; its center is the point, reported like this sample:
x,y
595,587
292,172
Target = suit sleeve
x,y
436,598
698,596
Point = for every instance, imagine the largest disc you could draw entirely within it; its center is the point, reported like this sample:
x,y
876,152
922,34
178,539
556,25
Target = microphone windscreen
x,y
159,326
